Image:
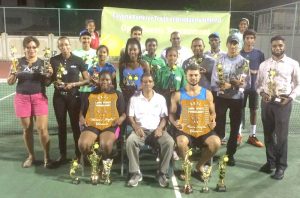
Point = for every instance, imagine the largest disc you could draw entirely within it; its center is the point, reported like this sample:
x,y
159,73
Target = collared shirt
x,y
147,114
155,61
232,69
208,64
215,55
287,76
170,78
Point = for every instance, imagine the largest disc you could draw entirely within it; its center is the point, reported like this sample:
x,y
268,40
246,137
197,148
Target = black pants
x,y
62,104
275,119
235,107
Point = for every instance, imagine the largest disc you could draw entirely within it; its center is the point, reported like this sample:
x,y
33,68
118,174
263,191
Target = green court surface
x,y
243,180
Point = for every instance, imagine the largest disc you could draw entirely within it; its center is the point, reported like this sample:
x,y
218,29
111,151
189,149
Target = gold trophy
x,y
94,159
47,56
273,91
206,174
107,164
221,187
220,74
187,168
95,75
243,72
73,169
61,70
15,68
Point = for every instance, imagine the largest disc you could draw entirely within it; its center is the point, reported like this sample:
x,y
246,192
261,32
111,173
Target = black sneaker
x,y
231,161
163,180
267,168
135,179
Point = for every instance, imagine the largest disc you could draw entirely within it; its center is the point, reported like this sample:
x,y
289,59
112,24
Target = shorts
x,y
114,130
253,99
199,142
30,105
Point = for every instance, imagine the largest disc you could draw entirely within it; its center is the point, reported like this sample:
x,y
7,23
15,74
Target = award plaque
x,y
102,110
14,61
195,117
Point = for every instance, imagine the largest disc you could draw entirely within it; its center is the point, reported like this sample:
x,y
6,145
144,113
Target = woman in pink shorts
x,y
31,102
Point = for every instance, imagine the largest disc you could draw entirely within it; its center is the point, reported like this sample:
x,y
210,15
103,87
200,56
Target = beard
x,y
193,84
278,54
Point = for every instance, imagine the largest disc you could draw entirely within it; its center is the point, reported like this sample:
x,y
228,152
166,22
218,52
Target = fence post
x,y
294,29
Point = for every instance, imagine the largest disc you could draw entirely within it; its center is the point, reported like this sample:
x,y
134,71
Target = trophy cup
x,y
205,176
107,164
14,61
94,159
221,187
47,56
187,168
73,169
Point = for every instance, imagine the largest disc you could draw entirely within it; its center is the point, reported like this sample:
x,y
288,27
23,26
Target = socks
x,y
252,130
240,129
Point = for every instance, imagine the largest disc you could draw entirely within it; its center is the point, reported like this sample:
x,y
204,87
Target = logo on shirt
x,y
73,66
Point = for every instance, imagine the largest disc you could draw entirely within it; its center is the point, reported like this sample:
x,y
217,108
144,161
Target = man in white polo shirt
x,y
148,117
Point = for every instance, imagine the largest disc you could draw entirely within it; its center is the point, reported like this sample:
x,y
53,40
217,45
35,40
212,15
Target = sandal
x,y
27,163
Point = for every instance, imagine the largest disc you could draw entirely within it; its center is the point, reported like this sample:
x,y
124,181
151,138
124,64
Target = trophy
x,y
220,74
205,175
73,169
95,75
47,56
61,70
94,159
14,62
187,168
221,187
197,62
242,73
107,164
273,90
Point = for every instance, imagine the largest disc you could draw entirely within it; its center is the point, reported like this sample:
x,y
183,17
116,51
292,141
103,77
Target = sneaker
x,y
175,156
254,141
163,180
239,139
267,168
135,179
231,161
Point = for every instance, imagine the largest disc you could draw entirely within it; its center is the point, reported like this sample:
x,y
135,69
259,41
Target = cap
x,y
84,33
231,38
214,35
245,19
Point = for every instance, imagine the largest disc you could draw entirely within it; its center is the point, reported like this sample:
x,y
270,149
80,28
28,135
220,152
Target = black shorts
x,y
253,99
98,131
193,142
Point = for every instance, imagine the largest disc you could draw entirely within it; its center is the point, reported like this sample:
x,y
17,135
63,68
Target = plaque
x,y
195,117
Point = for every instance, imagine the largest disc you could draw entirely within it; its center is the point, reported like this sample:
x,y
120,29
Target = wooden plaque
x,y
195,117
102,110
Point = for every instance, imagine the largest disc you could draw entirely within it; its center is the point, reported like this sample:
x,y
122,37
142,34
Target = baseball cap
x,y
84,33
214,35
232,38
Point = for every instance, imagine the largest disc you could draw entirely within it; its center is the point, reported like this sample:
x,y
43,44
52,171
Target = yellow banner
x,y
117,22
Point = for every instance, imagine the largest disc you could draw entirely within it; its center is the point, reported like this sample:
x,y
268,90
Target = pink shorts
x,y
30,105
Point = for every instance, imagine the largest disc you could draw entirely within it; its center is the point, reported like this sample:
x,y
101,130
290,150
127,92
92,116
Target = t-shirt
x,y
89,58
255,57
98,69
170,78
95,40
74,65
30,80
183,54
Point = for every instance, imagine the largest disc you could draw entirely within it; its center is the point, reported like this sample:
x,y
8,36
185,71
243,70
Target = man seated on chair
x,y
148,117
190,129
101,117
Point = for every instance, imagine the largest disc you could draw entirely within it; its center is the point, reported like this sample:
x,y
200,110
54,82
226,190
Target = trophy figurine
x,y
220,74
47,56
205,176
244,73
95,75
187,168
107,164
14,61
73,169
94,159
59,74
272,86
221,187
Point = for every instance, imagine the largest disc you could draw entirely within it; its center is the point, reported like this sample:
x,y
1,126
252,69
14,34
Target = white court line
x,y
7,96
298,101
176,187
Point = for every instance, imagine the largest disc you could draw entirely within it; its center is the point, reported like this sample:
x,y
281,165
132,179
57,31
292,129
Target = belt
x,y
64,93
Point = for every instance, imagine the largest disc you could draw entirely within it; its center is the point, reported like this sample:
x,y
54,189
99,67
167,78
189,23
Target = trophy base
x,y
221,188
205,190
187,189
76,181
95,179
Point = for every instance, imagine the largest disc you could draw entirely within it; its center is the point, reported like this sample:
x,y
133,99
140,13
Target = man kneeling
x,y
148,116
101,117
191,129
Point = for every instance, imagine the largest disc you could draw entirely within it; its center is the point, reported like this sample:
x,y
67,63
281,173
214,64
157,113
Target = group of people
x,y
160,98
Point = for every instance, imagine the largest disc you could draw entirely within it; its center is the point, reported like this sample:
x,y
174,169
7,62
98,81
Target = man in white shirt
x,y
278,83
148,117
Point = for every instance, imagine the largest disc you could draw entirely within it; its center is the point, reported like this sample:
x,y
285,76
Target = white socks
x,y
252,130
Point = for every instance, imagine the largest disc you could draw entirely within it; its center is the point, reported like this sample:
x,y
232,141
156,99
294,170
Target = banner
x,y
117,22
